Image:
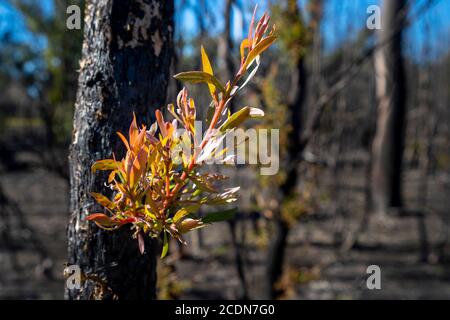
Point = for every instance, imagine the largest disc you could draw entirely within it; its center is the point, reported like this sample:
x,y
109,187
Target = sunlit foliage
x,y
158,187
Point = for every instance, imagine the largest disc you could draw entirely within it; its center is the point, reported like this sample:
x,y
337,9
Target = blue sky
x,y
342,20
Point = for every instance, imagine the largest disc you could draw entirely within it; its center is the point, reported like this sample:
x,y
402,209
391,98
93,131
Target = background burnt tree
x,y
225,56
55,83
124,69
388,144
226,44
295,35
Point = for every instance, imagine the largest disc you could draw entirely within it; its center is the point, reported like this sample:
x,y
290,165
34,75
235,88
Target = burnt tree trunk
x,y
297,102
124,69
387,148
277,247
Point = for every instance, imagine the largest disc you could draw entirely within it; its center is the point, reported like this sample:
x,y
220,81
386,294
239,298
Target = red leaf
x,y
127,220
250,29
102,220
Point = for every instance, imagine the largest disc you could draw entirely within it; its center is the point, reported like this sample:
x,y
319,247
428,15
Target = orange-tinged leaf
x,y
244,45
161,122
104,201
111,176
138,141
128,164
138,168
258,49
133,131
124,140
105,164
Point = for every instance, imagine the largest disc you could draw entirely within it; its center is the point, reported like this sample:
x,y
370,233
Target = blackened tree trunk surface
x,y
124,69
387,148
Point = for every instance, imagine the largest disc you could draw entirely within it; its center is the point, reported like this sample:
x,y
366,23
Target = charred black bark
x,y
275,259
124,69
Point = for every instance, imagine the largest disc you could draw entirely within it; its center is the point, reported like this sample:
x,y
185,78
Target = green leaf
x,y
236,119
165,246
196,193
210,113
219,216
240,116
198,77
180,215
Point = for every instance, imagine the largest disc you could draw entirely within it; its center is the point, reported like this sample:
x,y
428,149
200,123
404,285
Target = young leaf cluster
x,y
158,187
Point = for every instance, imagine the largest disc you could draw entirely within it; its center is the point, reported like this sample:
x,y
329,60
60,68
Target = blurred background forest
x,y
308,232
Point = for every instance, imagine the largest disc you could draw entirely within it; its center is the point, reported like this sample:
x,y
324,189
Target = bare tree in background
x,y
228,69
226,43
124,69
388,144
297,40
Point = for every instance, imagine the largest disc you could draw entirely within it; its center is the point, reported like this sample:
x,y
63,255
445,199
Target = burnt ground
x,y
320,264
